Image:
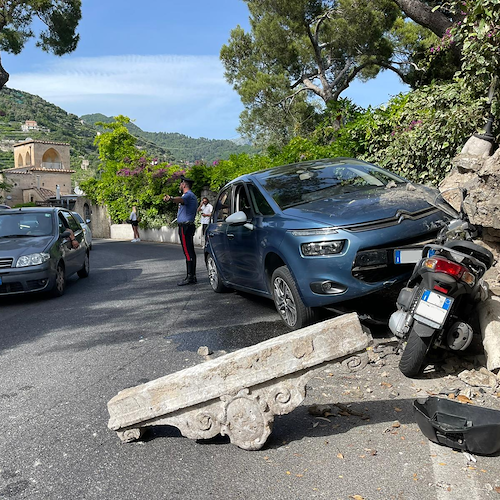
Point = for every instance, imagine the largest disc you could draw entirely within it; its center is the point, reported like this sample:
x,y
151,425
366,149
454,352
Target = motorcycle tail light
x,y
440,265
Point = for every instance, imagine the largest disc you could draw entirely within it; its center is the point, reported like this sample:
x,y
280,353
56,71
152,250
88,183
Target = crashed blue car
x,y
311,234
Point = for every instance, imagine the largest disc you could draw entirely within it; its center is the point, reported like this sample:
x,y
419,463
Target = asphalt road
x,y
62,359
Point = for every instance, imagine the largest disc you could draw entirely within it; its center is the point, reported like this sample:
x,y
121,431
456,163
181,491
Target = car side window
x,y
223,205
71,222
63,225
259,203
241,201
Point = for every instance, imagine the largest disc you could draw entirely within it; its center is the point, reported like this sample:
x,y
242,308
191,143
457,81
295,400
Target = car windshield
x,y
25,224
295,185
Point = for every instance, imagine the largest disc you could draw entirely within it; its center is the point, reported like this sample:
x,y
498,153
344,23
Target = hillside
x,y
56,125
183,148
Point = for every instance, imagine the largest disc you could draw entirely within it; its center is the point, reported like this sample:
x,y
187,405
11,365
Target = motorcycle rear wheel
x,y
413,356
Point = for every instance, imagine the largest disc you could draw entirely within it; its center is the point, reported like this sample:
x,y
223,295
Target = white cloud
x,y
186,94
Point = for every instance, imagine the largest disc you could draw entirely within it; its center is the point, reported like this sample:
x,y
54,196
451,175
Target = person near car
x,y
206,211
186,213
134,220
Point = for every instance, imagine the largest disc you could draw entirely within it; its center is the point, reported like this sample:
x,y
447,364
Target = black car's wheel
x,y
213,276
59,282
287,300
413,356
85,270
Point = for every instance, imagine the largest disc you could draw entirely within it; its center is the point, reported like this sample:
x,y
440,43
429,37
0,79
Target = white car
x,y
86,228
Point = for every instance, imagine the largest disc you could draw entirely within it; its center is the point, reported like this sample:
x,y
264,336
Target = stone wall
x,y
478,171
162,235
100,221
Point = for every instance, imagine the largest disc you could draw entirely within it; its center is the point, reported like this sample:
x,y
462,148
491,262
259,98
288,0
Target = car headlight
x,y
322,248
33,259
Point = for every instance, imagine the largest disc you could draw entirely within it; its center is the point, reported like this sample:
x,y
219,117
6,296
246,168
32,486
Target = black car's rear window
x,y
296,184
26,224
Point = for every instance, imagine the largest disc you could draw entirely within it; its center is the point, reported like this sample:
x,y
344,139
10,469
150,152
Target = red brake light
x,y
440,265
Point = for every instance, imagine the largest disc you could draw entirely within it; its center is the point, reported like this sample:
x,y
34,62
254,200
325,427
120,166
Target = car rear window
x,y
25,224
297,185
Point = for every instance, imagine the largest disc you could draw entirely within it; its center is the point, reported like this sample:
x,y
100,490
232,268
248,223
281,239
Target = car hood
x,y
15,247
365,205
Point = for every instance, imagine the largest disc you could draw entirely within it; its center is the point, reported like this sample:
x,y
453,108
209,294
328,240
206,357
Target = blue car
x,y
315,233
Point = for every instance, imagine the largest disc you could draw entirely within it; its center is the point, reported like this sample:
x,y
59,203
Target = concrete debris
x,y
204,351
239,393
479,378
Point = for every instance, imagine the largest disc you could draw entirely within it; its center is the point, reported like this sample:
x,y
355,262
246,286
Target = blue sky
x,y
156,61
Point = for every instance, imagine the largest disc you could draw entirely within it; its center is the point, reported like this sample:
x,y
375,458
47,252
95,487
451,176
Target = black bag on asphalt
x,y
458,425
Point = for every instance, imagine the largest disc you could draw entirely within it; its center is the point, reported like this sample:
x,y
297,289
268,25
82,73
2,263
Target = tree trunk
x,y
4,76
422,14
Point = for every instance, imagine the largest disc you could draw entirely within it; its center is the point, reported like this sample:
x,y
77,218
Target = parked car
x,y
36,254
315,233
4,206
86,228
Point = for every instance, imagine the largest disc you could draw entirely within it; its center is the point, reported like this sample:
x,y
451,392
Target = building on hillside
x,y
41,171
29,125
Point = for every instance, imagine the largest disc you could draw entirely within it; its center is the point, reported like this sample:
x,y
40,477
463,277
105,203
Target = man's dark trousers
x,y
186,235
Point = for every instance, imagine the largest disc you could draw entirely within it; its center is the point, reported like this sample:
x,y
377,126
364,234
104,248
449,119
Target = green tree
x,y
60,17
302,54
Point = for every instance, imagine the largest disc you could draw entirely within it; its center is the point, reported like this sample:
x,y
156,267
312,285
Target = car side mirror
x,y
87,221
65,234
238,218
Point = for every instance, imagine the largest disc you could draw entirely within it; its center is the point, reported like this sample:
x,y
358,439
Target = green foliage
x,y
479,34
417,135
60,19
129,177
301,55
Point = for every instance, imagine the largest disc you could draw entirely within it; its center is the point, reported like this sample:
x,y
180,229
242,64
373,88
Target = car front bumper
x,y
25,280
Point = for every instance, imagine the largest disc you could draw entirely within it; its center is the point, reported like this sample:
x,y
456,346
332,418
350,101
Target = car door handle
x,y
230,235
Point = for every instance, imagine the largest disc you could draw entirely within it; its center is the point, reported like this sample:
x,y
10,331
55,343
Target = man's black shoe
x,y
189,280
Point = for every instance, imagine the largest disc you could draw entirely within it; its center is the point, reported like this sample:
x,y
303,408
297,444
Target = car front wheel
x,y
287,300
85,270
59,282
214,277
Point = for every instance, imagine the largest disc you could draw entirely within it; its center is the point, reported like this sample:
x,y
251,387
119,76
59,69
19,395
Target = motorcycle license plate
x,y
407,255
433,307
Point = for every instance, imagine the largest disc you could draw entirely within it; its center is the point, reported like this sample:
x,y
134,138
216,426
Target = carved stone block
x,y
239,393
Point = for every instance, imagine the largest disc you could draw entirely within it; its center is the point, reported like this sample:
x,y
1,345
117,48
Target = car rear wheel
x,y
60,282
214,277
287,300
85,270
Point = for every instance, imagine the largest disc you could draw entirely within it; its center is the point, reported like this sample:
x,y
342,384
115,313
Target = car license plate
x,y
407,256
433,307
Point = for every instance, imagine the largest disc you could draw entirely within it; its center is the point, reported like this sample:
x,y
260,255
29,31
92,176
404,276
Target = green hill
x,y
183,148
55,125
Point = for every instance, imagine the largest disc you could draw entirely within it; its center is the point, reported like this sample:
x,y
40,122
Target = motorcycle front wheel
x,y
413,356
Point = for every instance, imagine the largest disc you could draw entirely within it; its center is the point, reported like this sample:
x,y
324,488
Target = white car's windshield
x,y
25,224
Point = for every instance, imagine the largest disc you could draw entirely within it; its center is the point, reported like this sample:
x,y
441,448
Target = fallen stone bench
x,y
239,393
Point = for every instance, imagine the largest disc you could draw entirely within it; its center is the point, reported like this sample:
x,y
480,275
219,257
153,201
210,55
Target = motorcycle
x,y
435,308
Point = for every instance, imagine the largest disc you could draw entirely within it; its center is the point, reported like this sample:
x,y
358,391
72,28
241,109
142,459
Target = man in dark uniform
x,y
186,213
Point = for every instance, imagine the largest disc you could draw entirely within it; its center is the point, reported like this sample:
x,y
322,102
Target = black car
x,y
36,251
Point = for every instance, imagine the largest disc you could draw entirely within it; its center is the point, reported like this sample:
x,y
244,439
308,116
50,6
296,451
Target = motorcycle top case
x,y
459,425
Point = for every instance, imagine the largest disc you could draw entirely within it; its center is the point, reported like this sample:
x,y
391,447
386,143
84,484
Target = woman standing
x,y
134,220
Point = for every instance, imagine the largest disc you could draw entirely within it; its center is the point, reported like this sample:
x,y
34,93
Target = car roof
x,y
33,210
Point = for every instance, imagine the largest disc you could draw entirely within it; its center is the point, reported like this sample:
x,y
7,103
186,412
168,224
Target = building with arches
x,y
41,171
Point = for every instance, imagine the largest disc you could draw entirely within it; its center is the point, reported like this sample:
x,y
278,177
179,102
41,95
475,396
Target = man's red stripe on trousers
x,y
184,247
